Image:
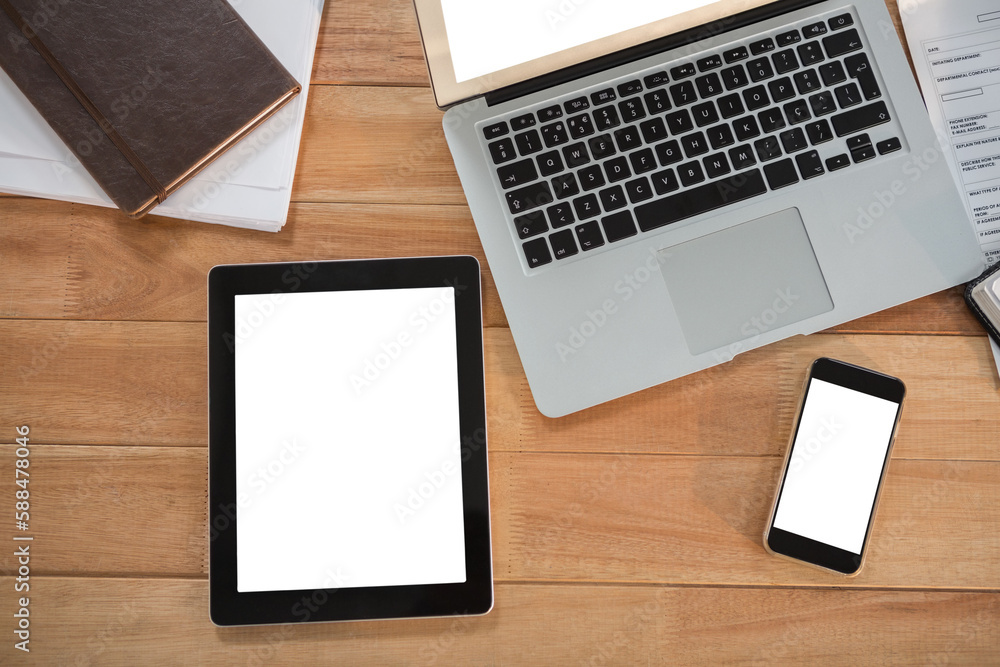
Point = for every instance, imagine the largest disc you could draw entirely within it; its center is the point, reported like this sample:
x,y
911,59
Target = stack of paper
x,y
249,186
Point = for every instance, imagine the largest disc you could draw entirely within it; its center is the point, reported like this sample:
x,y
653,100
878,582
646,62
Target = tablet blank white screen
x,y
348,456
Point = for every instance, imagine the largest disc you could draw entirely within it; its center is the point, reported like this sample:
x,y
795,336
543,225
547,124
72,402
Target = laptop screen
x,y
474,47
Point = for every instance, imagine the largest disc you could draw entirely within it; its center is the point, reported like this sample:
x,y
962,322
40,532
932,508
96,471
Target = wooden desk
x,y
628,533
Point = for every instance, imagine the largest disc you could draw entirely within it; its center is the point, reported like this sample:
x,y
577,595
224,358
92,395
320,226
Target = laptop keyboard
x,y
589,170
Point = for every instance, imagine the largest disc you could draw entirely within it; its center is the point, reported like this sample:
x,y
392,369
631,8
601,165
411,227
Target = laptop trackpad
x,y
741,282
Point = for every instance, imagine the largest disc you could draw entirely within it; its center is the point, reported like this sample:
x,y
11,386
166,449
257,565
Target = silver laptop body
x,y
677,270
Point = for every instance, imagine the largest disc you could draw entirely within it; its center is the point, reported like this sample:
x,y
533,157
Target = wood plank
x,y
143,383
692,520
135,621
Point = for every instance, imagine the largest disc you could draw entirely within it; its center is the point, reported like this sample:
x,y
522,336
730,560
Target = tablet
x,y
347,441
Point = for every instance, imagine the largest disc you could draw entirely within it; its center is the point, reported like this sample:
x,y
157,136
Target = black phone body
x,y
835,465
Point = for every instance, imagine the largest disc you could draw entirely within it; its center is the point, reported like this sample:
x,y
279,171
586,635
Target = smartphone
x,y
834,468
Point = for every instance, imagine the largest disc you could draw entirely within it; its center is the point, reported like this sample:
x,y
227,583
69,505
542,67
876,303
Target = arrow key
x,y
517,173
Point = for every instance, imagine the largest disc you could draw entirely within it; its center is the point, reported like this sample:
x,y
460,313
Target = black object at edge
x,y
992,329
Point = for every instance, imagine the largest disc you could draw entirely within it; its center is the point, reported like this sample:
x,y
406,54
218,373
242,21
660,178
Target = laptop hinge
x,y
633,53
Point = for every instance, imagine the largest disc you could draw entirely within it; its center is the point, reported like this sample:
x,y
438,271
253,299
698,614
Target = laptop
x,y
659,187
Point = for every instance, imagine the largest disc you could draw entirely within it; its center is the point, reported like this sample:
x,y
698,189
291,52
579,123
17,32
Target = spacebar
x,y
698,200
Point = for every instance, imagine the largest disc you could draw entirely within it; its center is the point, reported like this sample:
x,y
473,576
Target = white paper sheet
x,y
249,186
956,51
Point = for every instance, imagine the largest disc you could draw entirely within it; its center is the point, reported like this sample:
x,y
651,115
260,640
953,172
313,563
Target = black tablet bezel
x,y
475,595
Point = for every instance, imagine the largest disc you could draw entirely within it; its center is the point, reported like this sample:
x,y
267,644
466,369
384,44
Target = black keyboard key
x,y
771,120
617,169
655,80
709,62
716,165
603,96
848,95
517,173
560,215
528,142
602,146
781,174
838,162
734,55
578,104
502,151
810,53
631,110
613,198
549,113
785,61
580,126
591,177
522,122
840,43
679,121
859,68
657,102
496,130
576,155
742,157
819,132
682,71
734,77
694,144
822,103
781,89
797,112
690,173
563,244
701,199
793,140
807,82
665,181
842,21
767,148
756,98
589,235
704,114
810,165
642,161
629,88
606,118
832,73
720,136
760,69
814,30
549,163
638,190
565,185
554,134
530,225
537,253
586,207
529,197
683,93
730,105
619,226
628,138
709,85
889,146
653,130
746,128
858,141
864,153
787,38
762,46
668,153
860,118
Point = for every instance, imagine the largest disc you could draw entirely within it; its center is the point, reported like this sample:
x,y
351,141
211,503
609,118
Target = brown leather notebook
x,y
145,93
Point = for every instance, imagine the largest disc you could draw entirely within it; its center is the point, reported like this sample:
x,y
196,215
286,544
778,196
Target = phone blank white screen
x,y
835,465
348,461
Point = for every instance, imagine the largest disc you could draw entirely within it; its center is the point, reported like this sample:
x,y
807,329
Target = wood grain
x,y
127,621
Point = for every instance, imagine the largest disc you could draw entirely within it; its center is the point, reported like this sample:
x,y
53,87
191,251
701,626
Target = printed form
x,y
956,51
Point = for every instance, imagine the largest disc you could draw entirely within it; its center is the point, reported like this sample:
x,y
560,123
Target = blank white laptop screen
x,y
348,461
